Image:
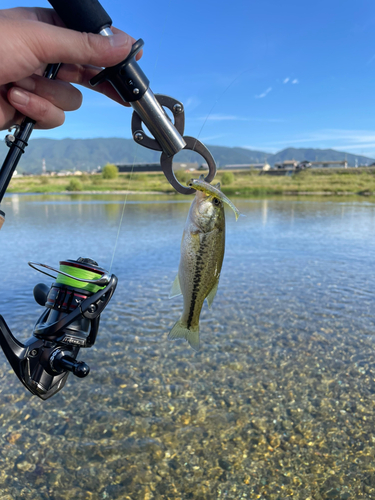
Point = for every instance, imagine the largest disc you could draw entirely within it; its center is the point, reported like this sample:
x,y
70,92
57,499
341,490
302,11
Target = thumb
x,y
33,44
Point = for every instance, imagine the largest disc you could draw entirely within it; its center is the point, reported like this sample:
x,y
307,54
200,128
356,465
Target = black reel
x,y
69,322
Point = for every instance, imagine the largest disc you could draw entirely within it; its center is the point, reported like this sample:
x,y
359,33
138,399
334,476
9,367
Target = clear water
x,y
279,401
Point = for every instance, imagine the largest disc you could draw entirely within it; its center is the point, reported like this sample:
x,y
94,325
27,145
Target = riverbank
x,y
353,181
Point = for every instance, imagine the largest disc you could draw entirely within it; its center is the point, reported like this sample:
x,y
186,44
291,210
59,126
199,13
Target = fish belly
x,y
200,265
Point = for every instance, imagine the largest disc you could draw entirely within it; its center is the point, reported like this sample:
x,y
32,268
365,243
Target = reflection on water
x,y
279,401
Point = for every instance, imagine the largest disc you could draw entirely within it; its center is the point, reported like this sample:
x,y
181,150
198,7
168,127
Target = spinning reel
x,y
70,321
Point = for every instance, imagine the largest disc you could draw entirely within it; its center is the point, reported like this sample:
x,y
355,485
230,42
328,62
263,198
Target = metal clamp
x,y
166,160
192,144
173,105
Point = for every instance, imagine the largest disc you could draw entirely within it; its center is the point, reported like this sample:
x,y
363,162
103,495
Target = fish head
x,y
208,212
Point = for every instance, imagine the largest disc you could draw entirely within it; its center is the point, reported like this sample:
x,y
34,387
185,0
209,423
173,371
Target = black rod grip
x,y
82,15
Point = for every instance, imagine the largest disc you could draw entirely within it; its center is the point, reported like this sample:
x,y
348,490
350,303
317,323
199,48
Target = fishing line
x,y
132,169
214,104
122,216
161,39
221,95
78,273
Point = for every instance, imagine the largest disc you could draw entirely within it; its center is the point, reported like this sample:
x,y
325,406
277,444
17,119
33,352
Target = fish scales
x,y
205,271
202,253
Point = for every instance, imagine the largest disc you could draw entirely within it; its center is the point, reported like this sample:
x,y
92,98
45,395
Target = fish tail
x,y
180,331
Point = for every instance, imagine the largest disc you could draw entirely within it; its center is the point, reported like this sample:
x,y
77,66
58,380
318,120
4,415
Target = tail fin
x,y
180,331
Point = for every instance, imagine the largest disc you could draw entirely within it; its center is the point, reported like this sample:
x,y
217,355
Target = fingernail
x,y
119,40
20,97
26,83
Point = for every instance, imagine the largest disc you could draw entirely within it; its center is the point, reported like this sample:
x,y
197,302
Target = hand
x,y
32,38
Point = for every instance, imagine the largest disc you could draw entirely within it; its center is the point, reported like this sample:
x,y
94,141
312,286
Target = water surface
x,y
278,402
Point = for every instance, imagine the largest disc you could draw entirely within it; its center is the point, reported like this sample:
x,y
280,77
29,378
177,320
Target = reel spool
x,y
70,321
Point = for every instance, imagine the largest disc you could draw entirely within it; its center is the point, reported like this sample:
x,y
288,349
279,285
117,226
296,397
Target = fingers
x,y
44,100
30,44
60,94
82,74
33,14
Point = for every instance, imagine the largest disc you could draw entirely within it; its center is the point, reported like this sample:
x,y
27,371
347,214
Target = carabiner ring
x,y
192,144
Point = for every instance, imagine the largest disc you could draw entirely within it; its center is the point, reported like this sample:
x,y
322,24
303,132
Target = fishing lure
x,y
201,185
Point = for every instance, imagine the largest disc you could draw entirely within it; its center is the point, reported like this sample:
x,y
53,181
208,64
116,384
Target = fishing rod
x,y
82,289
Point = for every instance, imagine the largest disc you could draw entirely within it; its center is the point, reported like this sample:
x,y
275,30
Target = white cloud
x,y
286,80
260,96
191,103
295,81
219,118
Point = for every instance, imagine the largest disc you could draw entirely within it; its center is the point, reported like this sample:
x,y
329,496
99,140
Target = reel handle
x,y
82,15
63,362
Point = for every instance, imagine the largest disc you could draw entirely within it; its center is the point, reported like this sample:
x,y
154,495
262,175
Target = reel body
x,y
70,321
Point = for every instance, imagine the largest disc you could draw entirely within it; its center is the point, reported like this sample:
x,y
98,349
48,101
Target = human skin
x,y
31,38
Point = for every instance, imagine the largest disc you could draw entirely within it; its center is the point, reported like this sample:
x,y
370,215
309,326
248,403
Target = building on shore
x,y
290,165
153,167
246,166
286,165
139,167
329,164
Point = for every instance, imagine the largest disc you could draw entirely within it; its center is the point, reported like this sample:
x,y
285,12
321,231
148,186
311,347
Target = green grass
x,y
247,183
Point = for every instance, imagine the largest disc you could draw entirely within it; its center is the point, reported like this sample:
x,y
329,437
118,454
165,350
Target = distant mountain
x,y
88,154
310,154
80,154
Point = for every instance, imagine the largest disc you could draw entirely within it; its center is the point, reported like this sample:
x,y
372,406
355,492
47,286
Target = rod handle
x,y
82,15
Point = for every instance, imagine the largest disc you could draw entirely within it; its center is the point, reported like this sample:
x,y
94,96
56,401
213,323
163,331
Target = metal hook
x,y
10,138
192,144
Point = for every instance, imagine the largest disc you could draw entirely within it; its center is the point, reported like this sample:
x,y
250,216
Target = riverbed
x,y
278,402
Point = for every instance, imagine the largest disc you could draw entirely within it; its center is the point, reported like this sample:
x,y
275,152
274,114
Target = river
x,y
279,400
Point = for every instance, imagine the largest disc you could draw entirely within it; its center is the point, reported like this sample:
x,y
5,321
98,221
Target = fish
x,y
201,185
202,254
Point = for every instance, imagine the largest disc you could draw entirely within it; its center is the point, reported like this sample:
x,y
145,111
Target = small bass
x,y
202,253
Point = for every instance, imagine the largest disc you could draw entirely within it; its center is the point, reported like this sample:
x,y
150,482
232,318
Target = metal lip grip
x,y
133,86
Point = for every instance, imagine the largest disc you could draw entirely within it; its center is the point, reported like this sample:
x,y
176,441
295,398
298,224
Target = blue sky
x,y
262,75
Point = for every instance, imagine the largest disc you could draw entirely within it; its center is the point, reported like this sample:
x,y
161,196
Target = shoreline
x,y
247,184
174,193
337,194
170,193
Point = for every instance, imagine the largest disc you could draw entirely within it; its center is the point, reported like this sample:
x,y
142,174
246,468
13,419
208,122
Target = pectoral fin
x,y
210,297
175,288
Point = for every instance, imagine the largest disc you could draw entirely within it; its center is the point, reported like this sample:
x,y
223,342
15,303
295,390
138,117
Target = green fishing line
x,y
78,273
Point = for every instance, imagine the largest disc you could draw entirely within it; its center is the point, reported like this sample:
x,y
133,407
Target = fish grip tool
x,y
132,85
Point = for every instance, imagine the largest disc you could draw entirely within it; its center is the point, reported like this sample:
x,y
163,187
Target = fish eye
x,y
216,202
